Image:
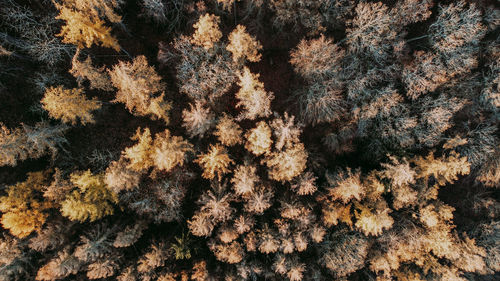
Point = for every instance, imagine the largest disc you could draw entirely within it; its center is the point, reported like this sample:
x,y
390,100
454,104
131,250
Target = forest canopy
x,y
249,140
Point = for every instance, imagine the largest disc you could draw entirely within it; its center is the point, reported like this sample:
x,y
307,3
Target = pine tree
x,y
69,105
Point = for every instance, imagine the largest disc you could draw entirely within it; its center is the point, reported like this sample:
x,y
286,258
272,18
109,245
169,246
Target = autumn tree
x,y
252,96
243,46
30,142
259,139
69,105
198,119
91,201
228,131
140,88
84,70
207,31
23,210
215,161
84,31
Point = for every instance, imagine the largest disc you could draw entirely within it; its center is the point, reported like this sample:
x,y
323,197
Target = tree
x,y
345,185
316,58
84,31
245,179
345,253
372,31
321,102
207,31
139,155
119,177
228,132
69,105
443,169
140,88
198,119
29,142
259,139
84,70
285,131
202,74
252,96
24,212
287,164
215,161
169,151
243,46
91,201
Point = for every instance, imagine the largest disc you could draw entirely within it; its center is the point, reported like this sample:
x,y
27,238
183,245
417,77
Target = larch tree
x,y
23,210
84,70
243,46
259,139
92,199
69,105
207,31
169,151
252,96
30,142
215,161
140,89
228,132
84,31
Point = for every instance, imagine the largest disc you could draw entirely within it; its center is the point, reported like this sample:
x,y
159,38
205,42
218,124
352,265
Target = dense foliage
x,y
249,140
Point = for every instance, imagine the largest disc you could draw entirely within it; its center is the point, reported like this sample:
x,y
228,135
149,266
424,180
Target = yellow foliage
x,y
259,139
69,105
214,161
242,45
23,211
444,169
287,164
91,201
228,132
139,154
169,151
207,31
83,31
372,222
254,99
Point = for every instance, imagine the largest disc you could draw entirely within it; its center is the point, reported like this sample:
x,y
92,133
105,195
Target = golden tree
x,y
140,88
139,155
287,164
253,98
169,151
259,139
69,105
84,70
91,201
228,132
207,31
23,209
84,31
243,46
215,161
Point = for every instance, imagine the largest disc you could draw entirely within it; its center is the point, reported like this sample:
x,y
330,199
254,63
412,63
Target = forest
x,y
207,140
